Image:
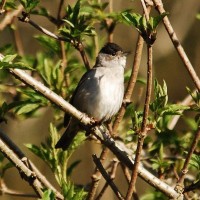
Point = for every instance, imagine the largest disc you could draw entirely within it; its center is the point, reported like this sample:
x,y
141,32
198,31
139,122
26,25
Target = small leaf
x,y
9,58
29,4
156,20
26,108
48,195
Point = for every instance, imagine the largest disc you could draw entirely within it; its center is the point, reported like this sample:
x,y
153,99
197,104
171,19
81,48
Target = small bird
x,y
99,93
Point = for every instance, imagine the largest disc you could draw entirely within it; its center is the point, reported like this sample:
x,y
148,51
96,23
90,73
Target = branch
x,y
107,177
2,10
96,177
159,6
22,157
131,84
5,190
144,130
9,17
112,174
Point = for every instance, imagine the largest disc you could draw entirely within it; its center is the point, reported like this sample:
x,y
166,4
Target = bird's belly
x,y
106,102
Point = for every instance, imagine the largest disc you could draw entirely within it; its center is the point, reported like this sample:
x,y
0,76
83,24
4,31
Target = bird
x,y
99,93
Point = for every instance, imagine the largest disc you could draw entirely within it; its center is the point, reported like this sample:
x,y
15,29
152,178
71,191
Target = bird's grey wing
x,y
85,77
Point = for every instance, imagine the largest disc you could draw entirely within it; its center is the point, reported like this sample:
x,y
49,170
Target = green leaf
x,y
26,108
131,18
29,5
9,58
76,12
154,21
48,195
195,161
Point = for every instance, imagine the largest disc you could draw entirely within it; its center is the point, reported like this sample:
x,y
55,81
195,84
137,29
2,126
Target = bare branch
x,y
5,190
159,6
144,128
2,10
112,174
96,177
9,17
131,84
107,177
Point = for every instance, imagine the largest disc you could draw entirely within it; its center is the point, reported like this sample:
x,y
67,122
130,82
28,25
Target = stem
x,y
96,177
9,17
159,6
112,176
131,83
107,177
143,132
2,10
18,41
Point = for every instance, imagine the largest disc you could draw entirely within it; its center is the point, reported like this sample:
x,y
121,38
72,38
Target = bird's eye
x,y
113,54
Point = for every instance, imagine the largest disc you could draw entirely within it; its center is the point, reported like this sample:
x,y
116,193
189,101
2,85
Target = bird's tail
x,y
68,136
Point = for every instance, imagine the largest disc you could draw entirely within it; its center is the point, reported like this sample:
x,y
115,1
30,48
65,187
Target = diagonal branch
x,y
159,6
107,177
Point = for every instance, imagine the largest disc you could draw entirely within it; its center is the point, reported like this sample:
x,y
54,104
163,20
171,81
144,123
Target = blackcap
x,y
99,93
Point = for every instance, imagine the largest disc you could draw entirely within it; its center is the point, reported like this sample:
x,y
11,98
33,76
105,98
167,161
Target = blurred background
x,y
167,66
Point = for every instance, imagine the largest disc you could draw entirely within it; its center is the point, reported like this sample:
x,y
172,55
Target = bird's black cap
x,y
111,49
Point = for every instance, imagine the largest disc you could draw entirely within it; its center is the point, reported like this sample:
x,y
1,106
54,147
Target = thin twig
x,y
159,6
96,177
143,132
112,174
5,190
2,10
107,177
62,47
60,9
9,17
131,84
184,171
18,40
126,173
146,13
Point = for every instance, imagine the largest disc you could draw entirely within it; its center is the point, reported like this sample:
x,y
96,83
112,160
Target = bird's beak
x,y
126,53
